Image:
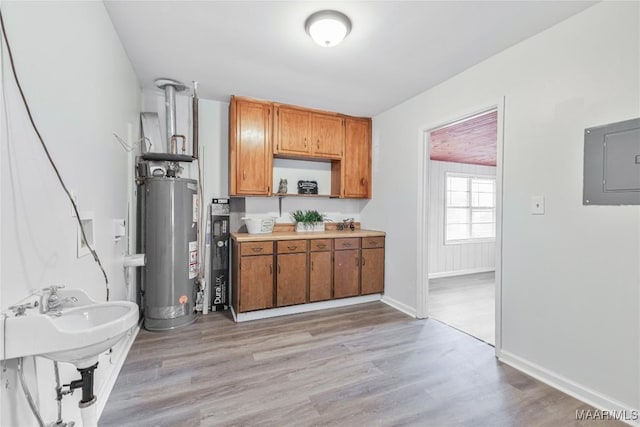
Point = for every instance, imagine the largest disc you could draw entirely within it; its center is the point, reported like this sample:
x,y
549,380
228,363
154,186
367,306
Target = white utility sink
x,y
79,335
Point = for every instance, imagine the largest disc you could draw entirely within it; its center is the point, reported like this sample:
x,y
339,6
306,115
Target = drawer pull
x,y
256,249
347,244
270,269
292,248
321,246
311,265
363,261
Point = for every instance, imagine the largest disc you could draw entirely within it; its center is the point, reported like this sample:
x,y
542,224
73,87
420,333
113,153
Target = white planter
x,y
302,227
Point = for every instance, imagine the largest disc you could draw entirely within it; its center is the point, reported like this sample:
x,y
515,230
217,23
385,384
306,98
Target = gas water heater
x,y
171,245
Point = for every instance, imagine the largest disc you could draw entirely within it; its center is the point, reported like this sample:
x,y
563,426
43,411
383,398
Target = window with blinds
x,y
470,208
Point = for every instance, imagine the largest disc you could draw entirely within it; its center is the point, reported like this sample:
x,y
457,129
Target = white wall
x,y
458,258
571,278
81,87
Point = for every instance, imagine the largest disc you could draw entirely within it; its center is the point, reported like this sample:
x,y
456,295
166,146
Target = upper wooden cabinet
x,y
351,177
307,133
250,152
260,130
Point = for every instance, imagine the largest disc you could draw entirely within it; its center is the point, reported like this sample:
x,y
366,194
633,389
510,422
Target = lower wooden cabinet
x,y
372,268
280,273
256,278
291,280
320,276
346,273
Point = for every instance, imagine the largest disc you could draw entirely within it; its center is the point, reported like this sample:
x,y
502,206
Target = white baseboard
x,y
411,311
461,272
107,387
302,308
580,392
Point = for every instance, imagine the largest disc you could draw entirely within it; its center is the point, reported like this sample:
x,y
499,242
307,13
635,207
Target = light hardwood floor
x,y
365,365
465,302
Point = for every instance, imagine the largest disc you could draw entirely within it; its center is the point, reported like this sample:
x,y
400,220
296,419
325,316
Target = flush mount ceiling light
x,y
328,27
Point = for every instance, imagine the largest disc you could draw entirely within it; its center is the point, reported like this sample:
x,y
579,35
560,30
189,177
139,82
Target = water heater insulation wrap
x,y
170,236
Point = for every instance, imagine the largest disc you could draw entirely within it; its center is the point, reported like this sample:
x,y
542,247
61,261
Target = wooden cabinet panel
x,y
256,248
373,242
356,162
349,243
346,273
292,246
327,135
319,276
372,271
250,152
292,131
256,282
316,245
291,280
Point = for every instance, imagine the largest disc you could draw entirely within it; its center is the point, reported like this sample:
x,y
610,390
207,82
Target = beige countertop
x,y
293,235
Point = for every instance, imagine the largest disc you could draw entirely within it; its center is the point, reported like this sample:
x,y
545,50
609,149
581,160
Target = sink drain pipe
x,y
87,403
27,394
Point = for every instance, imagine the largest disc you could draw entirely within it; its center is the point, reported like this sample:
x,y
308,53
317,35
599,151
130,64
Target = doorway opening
x,y
461,229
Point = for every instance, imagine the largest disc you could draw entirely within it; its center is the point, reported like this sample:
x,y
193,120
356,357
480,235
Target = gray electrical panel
x,y
612,164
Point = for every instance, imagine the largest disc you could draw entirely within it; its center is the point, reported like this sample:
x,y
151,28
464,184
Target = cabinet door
x,y
291,280
292,131
256,282
356,163
320,276
250,153
346,273
372,271
327,136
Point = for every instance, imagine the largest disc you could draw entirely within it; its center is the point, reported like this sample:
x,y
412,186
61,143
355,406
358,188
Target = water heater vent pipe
x,y
170,87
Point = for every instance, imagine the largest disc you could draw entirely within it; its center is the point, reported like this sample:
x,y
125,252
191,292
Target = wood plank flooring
x,y
365,365
465,302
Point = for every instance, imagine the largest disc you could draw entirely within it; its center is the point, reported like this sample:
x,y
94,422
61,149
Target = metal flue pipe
x,y
170,87
194,110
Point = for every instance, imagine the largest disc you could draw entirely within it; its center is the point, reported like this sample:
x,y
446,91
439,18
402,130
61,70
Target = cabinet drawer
x,y
352,243
256,248
292,246
318,245
373,242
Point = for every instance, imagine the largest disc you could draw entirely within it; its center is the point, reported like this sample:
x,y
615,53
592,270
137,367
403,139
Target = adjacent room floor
x,y
465,302
365,365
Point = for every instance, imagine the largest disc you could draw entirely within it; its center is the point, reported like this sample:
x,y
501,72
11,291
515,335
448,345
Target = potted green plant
x,y
310,220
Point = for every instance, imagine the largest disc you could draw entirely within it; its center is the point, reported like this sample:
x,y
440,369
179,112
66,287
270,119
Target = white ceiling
x,y
259,49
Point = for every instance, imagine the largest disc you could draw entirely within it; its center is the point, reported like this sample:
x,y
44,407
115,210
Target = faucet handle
x,y
20,309
53,288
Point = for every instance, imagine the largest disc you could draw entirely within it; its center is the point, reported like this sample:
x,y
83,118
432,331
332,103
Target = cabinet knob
x,y
270,269
311,265
363,261
244,175
318,144
362,181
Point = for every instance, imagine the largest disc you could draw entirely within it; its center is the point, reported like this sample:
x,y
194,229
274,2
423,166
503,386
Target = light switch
x,y
537,205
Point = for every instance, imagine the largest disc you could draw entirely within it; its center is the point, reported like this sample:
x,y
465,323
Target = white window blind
x,y
470,208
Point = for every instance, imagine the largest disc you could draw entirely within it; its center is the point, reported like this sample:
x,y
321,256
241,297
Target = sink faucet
x,y
50,301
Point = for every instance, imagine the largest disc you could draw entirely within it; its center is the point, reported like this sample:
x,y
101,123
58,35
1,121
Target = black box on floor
x,y
219,279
